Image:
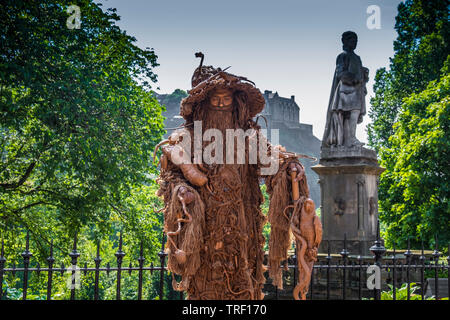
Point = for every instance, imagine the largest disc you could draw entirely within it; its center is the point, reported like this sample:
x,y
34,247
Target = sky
x,y
288,46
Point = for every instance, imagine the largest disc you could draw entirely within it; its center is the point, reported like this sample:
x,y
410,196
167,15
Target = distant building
x,y
282,114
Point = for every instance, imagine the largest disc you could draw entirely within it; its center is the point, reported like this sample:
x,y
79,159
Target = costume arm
x,y
279,188
184,220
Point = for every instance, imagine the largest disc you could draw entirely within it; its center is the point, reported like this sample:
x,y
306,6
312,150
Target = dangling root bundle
x,y
280,239
279,188
184,226
307,230
301,244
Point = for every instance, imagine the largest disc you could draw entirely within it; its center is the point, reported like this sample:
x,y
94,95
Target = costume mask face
x,y
221,98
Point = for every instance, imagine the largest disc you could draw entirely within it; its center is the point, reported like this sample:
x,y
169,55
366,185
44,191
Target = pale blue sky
x,y
286,46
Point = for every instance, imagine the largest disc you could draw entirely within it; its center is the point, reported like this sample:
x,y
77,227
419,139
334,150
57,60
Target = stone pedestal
x,y
349,198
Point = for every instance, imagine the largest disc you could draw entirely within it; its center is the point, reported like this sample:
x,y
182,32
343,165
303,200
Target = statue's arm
x,y
366,74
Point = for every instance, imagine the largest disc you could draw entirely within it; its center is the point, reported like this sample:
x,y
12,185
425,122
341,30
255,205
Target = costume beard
x,y
233,116
220,118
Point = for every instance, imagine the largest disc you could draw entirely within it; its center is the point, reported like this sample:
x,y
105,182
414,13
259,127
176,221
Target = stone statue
x,y
212,214
348,171
346,106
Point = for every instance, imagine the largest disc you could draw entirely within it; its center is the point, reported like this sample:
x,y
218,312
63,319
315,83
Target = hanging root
x,y
186,213
280,240
304,272
180,286
307,236
180,255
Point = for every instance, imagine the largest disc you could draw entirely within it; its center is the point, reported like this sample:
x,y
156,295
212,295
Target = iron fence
x,y
74,255
344,279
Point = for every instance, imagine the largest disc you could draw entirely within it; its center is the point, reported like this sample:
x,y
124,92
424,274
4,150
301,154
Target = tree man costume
x,y
212,214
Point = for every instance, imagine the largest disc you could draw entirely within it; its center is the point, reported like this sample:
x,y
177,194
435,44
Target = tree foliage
x,y
414,189
78,120
409,126
420,50
174,98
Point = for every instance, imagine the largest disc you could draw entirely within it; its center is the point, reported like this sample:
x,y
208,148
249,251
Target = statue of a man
x,y
347,104
212,214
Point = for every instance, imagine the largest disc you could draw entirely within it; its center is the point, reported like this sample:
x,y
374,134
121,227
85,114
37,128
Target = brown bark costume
x,y
212,212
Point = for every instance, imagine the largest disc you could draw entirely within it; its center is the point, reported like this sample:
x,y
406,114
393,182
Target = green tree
x,y
414,189
420,50
174,98
407,126
78,119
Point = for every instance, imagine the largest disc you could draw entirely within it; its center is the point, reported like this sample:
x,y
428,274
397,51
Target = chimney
x,y
293,98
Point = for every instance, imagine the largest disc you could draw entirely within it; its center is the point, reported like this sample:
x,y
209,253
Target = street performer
x,y
212,215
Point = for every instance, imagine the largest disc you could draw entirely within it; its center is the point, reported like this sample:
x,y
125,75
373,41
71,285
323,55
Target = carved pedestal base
x,y
349,192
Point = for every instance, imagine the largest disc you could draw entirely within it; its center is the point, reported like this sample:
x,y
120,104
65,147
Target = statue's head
x,y
349,40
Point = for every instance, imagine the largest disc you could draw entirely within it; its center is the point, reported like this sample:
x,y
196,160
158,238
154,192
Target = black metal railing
x,y
74,255
395,271
340,276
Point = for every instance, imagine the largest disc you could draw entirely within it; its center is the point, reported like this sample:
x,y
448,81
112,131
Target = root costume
x,y
212,214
